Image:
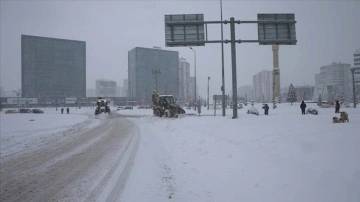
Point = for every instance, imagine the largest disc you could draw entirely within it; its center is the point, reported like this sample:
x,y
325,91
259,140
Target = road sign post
x,y
188,30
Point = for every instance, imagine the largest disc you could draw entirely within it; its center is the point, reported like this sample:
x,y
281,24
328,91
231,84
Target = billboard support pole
x,y
233,61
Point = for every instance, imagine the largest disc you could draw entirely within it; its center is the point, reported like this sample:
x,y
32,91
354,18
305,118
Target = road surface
x,y
92,165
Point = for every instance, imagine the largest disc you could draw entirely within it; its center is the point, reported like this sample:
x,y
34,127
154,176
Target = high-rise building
x,y
357,66
263,86
106,88
150,67
184,80
52,67
305,92
333,82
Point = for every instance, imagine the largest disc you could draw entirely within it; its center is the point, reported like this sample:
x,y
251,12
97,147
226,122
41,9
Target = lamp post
x,y
353,82
222,62
194,75
208,93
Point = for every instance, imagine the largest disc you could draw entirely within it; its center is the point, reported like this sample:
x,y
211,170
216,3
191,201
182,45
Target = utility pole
x,y
194,76
208,93
222,63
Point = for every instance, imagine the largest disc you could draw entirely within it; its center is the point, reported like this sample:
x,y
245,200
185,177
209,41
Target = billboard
x,y
184,30
276,29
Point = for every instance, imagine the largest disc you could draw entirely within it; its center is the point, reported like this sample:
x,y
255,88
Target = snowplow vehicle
x,y
165,105
102,106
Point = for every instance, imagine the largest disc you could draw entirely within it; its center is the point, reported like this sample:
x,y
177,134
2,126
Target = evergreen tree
x,y
291,97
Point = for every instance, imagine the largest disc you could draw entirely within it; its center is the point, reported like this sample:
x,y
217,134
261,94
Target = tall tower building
x,y
276,75
263,86
333,82
357,66
184,80
151,66
52,67
105,88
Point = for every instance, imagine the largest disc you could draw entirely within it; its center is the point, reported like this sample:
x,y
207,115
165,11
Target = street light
x,y
222,62
208,93
194,74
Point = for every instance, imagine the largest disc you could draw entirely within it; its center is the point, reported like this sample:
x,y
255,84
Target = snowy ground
x,y
285,156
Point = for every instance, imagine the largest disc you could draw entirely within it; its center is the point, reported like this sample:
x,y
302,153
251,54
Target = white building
x,y
357,65
184,80
105,88
263,86
333,81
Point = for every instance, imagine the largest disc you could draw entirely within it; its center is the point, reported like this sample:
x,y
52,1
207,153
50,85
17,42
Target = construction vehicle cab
x,y
165,105
102,106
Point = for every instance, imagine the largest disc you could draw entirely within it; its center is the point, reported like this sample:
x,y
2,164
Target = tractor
x,y
102,106
165,105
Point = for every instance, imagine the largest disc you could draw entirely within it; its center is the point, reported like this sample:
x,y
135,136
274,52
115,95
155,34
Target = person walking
x,y
62,110
266,109
337,107
67,110
303,107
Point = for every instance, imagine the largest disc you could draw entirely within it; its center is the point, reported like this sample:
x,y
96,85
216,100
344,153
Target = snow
x,y
284,156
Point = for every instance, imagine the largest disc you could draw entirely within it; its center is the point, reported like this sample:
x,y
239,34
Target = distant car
x,y
37,111
119,108
10,111
128,107
25,111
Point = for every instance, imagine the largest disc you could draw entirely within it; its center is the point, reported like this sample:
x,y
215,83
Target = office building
x,y
263,87
52,67
184,81
106,88
357,66
333,82
151,68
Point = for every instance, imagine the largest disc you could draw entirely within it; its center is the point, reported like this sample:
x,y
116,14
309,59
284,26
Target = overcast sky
x,y
327,31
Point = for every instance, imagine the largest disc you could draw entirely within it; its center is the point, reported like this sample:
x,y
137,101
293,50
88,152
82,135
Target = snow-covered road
x,y
88,162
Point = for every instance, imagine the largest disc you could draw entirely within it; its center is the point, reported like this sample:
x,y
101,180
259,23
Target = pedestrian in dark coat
x,y
337,106
303,107
67,110
62,110
266,109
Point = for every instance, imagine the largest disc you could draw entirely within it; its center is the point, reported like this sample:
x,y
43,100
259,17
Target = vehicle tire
x,y
157,113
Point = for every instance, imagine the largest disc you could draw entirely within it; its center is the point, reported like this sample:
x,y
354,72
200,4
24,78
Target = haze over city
x,y
327,32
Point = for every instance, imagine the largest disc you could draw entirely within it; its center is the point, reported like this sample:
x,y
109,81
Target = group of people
x,y
67,110
303,107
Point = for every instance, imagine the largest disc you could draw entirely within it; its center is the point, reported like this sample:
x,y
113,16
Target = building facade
x,y
263,86
52,67
333,82
106,88
184,81
357,66
305,92
246,92
151,68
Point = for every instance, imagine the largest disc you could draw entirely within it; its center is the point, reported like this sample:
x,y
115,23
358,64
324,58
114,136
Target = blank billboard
x,y
276,29
184,30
